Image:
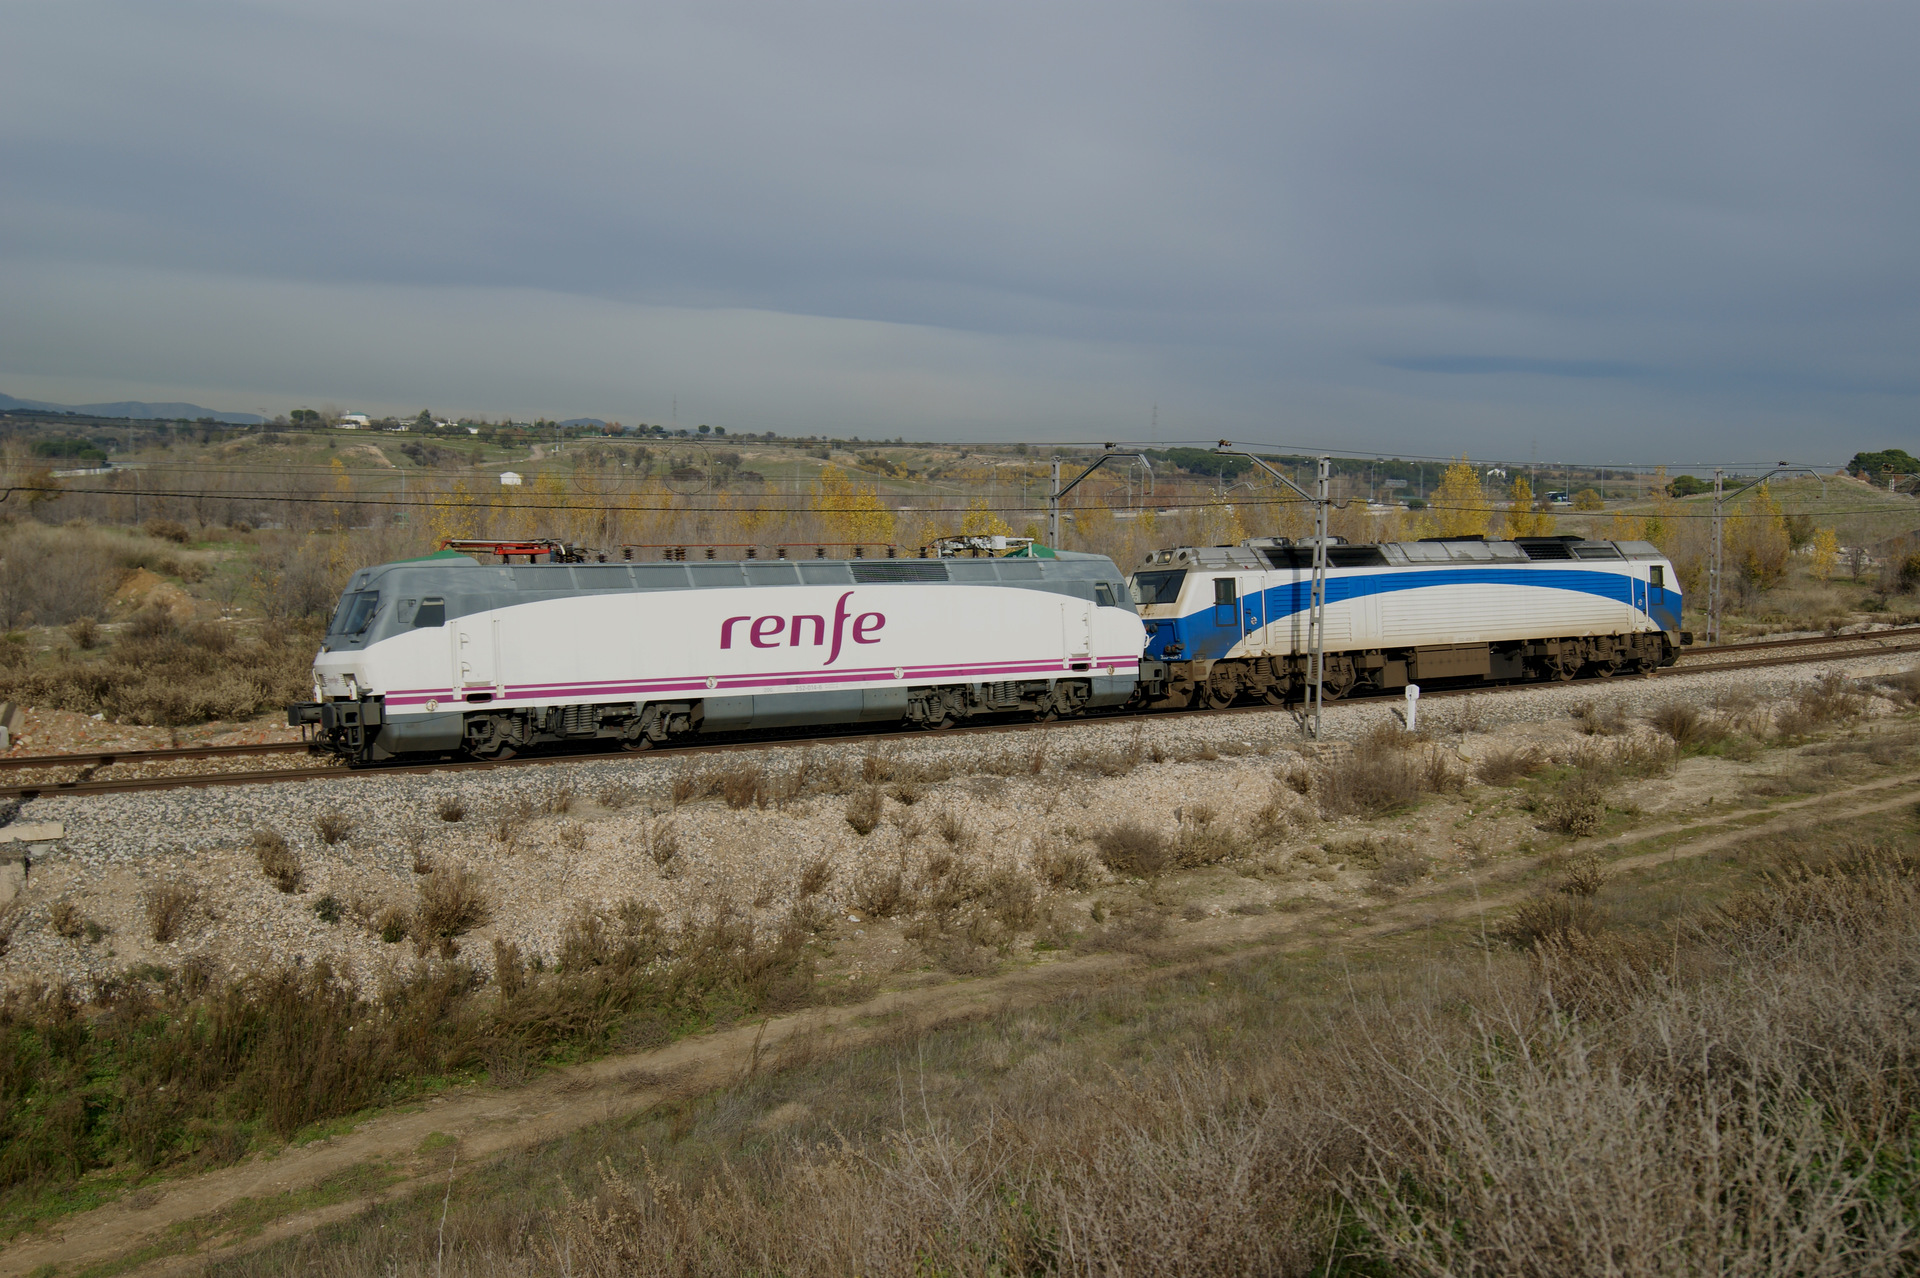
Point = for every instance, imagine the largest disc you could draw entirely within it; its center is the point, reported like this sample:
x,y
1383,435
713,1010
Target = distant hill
x,y
129,408
583,421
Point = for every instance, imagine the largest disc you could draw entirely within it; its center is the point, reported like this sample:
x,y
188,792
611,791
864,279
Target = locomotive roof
x,y
1261,553
464,575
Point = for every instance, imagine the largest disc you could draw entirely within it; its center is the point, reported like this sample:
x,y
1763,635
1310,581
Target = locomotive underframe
x,y
1280,680
359,732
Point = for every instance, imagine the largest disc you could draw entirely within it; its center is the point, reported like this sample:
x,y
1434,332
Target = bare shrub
x,y
168,530
1509,764
1681,721
155,621
906,794
1554,916
613,796
1595,721
1135,850
451,904
1065,869
278,861
1831,701
1439,775
332,825
572,836
169,907
84,632
880,892
451,807
557,801
814,877
1375,779
1577,806
1205,844
1400,871
863,810
875,767
1009,895
66,919
1585,876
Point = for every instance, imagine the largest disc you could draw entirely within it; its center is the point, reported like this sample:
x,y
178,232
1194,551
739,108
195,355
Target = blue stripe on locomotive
x,y
1202,639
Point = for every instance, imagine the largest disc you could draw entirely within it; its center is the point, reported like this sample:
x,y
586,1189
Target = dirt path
x,y
484,1122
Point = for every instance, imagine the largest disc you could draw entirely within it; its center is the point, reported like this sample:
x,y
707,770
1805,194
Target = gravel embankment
x,y
120,848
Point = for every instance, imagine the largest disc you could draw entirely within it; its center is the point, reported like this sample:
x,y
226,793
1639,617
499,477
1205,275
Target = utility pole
x,y
1317,587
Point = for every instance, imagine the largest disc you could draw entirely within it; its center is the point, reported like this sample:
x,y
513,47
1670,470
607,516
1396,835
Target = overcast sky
x,y
1613,232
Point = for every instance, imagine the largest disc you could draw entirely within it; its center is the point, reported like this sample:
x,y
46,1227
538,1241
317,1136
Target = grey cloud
x,y
1650,221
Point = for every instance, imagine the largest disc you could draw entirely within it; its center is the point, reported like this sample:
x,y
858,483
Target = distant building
x,y
510,479
354,421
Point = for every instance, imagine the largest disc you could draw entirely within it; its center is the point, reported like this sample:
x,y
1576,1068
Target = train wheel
x,y
1274,694
641,742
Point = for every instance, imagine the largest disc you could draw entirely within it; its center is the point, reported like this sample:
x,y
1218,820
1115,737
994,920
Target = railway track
x,y
86,766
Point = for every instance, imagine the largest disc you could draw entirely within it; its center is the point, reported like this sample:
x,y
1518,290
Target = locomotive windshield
x,y
1157,587
355,613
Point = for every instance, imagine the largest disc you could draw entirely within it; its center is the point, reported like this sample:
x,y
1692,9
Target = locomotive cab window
x,y
1103,594
1224,592
356,614
433,612
1158,587
1657,577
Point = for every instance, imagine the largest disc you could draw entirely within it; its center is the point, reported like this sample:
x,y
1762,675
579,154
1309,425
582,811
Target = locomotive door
x,y
476,651
1253,621
1076,625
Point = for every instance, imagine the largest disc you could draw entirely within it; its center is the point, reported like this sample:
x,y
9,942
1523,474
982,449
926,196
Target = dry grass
x,y
452,903
332,826
863,810
169,908
450,807
1135,850
277,859
1577,805
66,920
814,877
1507,765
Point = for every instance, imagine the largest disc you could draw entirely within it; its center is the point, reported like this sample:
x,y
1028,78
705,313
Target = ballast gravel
x,y
1016,796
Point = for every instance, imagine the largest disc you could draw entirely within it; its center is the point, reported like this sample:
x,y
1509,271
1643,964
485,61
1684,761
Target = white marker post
x,y
1413,707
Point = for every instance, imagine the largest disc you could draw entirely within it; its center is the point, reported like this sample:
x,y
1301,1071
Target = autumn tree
x,y
1759,543
1460,507
1522,519
1826,553
1588,500
853,512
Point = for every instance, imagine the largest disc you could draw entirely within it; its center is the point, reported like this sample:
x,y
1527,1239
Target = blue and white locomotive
x,y
1231,622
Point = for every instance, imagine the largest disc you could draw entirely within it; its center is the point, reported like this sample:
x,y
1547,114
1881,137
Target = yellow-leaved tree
x,y
1588,500
853,512
1826,553
1460,507
453,514
1522,519
981,521
1758,543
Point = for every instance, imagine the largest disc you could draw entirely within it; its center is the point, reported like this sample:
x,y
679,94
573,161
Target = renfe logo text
x,y
769,632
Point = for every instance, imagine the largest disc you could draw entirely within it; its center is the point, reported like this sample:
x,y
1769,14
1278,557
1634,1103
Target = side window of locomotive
x,y
433,612
1103,594
1657,578
1224,593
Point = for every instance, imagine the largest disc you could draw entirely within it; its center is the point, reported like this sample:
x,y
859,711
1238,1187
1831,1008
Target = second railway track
x,y
86,765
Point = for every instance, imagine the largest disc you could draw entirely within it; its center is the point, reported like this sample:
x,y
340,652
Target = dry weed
x,y
1136,850
332,826
169,907
1509,764
451,807
814,877
863,810
278,861
451,904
